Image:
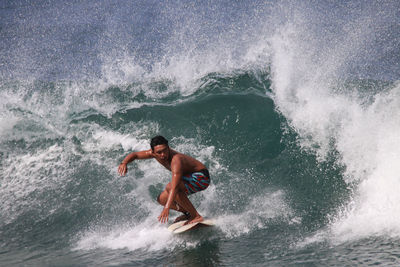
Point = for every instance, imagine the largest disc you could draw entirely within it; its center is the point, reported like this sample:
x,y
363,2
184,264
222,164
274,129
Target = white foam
x,y
365,135
258,214
7,123
26,174
374,162
148,235
105,139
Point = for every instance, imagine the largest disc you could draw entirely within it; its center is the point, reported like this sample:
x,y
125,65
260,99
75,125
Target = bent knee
x,y
180,188
168,187
162,198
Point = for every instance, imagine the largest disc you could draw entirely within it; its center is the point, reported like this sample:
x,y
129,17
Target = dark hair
x,y
158,140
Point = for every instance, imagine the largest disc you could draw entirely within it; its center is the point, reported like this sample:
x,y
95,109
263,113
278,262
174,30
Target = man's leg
x,y
181,203
162,199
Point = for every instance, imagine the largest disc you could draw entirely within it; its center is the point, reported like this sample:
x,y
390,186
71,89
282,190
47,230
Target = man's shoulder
x,y
180,159
178,156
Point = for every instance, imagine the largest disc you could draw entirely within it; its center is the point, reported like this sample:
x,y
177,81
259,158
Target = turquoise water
x,y
294,110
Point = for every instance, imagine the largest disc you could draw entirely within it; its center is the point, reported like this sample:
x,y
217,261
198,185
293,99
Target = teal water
x,y
293,110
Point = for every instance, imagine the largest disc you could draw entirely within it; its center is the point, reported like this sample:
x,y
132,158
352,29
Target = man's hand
x,y
122,169
163,218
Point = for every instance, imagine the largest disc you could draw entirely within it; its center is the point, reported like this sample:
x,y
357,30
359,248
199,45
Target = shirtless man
x,y
188,176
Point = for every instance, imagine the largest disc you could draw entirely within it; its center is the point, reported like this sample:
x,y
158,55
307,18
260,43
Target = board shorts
x,y
196,181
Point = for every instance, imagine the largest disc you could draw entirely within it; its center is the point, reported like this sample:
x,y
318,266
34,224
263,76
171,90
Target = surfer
x,y
188,176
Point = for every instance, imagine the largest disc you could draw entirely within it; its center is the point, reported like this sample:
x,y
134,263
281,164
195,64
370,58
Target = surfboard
x,y
179,227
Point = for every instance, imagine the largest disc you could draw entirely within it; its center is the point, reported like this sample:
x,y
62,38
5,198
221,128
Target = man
x,y
188,176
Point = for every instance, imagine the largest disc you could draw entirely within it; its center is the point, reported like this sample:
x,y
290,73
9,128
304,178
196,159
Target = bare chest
x,y
166,164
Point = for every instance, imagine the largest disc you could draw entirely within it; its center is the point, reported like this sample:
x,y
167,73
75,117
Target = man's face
x,y
161,152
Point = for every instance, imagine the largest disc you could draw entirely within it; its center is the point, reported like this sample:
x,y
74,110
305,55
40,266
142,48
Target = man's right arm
x,y
123,168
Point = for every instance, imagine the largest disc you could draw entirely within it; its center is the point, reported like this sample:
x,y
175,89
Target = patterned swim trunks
x,y
196,181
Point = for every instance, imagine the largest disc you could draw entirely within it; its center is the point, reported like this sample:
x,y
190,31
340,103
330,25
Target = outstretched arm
x,y
123,168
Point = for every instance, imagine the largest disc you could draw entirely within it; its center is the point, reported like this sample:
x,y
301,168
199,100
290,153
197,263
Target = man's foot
x,y
182,218
196,219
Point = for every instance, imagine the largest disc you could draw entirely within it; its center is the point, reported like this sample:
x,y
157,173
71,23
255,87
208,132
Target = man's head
x,y
158,140
160,148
